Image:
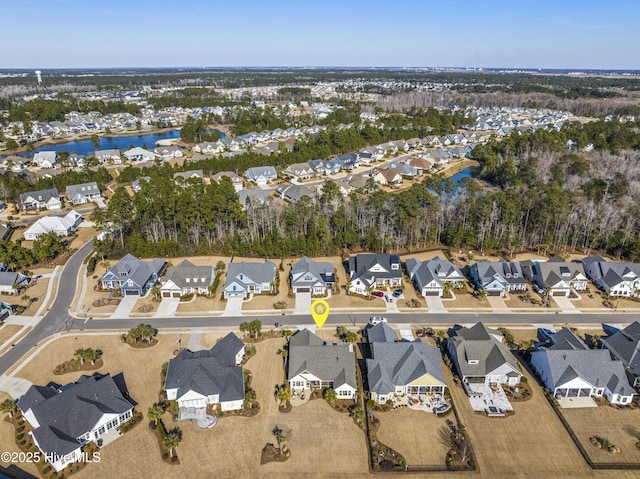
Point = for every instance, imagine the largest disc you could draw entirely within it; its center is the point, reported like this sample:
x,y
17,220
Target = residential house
x,y
557,275
254,197
208,148
357,182
293,193
316,365
244,279
571,370
403,169
261,175
315,277
82,193
6,310
480,357
168,152
136,185
299,171
5,231
624,345
185,278
498,278
430,277
11,282
368,271
66,418
617,279
49,199
133,276
45,159
61,226
399,368
196,379
388,176
235,179
106,156
420,164
138,154
187,175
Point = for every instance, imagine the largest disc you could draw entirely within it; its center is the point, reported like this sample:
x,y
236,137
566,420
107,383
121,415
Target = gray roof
x,y
256,171
250,273
566,339
502,271
68,413
189,174
9,278
209,372
478,343
111,153
309,273
381,333
550,273
592,365
295,192
130,267
84,189
608,274
360,267
41,196
329,362
625,346
398,364
254,197
230,174
440,270
199,276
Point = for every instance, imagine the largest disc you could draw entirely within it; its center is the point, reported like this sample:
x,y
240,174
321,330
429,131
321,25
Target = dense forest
x,y
542,196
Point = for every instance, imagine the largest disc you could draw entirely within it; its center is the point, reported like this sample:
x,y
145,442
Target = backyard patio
x,y
434,403
488,398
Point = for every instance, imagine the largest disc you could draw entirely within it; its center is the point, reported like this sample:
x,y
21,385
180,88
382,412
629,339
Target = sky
x,y
567,34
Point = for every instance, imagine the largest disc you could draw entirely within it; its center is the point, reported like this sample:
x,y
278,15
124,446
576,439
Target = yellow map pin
x,y
320,311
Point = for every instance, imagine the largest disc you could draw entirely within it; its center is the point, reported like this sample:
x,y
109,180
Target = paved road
x,y
57,318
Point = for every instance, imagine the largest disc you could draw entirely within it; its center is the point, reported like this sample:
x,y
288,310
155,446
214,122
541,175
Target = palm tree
x,y
357,413
155,291
154,413
330,395
280,437
80,354
25,299
8,406
250,397
482,293
447,288
92,355
284,395
347,286
171,440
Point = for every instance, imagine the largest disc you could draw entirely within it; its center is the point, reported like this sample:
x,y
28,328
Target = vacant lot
x,y
414,434
533,439
619,426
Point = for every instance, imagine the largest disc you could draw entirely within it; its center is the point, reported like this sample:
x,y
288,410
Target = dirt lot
x,y
414,434
620,426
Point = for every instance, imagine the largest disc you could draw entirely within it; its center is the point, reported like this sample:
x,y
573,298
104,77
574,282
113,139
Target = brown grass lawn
x,y
590,299
515,302
620,426
266,301
7,442
82,235
464,299
203,303
425,255
531,443
414,434
6,331
208,340
146,301
37,292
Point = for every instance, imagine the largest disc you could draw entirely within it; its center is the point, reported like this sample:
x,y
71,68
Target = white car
x,y
377,320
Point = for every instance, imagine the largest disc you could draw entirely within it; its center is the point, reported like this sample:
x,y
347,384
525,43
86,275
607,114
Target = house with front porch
x,y
133,276
616,278
66,418
315,277
11,282
261,175
83,193
196,379
429,277
49,199
299,171
244,279
368,271
186,278
571,370
397,368
480,356
316,365
556,275
499,278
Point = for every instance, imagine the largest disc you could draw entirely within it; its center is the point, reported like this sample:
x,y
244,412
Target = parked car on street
x,y
377,320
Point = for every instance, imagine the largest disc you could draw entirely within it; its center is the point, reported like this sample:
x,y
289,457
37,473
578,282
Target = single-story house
x,y
316,365
168,152
294,193
254,197
299,171
136,185
83,193
185,278
133,276
315,277
62,226
624,345
49,199
373,270
138,154
430,277
66,418
105,156
196,379
244,279
187,175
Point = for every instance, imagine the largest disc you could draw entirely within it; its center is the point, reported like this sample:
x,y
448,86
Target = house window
x,y
188,280
395,266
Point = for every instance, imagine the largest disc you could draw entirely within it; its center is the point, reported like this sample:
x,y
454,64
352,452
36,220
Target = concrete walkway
x,y
497,303
52,280
435,305
167,306
124,308
303,303
566,305
195,340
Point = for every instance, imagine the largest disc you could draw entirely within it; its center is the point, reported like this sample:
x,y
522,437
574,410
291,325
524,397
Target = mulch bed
x,y
143,344
174,461
285,408
74,365
271,453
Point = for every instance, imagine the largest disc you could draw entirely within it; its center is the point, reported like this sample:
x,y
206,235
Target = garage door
x,y
131,292
166,294
176,294
559,293
303,290
432,293
493,293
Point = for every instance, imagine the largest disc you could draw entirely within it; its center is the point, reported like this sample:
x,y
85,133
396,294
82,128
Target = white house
x,y
62,226
261,175
45,159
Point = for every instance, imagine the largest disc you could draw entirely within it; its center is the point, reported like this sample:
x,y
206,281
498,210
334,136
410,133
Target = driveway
x,y
497,303
303,303
168,306
435,305
565,304
233,307
15,387
124,308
